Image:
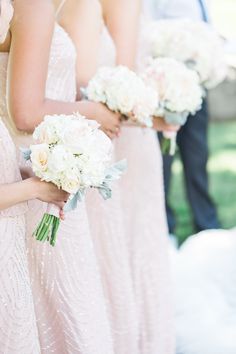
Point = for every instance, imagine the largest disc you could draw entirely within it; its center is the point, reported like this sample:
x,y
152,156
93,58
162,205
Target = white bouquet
x,y
180,93
125,92
72,153
194,43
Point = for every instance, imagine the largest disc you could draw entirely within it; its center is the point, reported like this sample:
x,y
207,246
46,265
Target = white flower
x,y
195,44
60,159
71,182
96,89
74,153
78,133
49,131
39,158
124,92
6,14
145,107
178,87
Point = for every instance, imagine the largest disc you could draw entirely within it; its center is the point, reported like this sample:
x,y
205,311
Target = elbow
x,y
23,121
24,118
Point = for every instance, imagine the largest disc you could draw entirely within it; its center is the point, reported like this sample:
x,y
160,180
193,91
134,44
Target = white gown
x,y
68,295
205,287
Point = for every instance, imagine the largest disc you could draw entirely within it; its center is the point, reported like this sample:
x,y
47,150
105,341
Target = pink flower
x,y
6,14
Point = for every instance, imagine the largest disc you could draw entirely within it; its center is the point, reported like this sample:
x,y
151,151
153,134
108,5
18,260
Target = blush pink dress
x,y
68,295
18,331
130,237
108,230
142,194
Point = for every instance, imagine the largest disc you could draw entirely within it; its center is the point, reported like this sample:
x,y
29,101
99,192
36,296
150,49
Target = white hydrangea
x,y
194,43
71,152
124,92
178,87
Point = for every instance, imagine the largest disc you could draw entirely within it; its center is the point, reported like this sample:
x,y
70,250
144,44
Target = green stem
x,y
47,229
165,146
54,231
40,226
41,233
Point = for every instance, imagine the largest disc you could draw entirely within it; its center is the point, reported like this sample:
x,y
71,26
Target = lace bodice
x,y
61,80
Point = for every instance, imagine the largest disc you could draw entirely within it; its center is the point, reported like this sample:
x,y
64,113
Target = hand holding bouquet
x,y
121,90
72,153
179,94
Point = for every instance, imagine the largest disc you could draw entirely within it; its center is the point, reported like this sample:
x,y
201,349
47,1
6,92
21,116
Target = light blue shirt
x,y
176,9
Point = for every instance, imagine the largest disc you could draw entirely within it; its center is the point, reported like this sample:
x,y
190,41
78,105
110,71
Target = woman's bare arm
x,y
122,18
32,31
14,193
31,188
83,21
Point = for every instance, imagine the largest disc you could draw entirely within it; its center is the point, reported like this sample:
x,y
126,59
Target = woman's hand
x,y
31,188
160,125
49,193
109,121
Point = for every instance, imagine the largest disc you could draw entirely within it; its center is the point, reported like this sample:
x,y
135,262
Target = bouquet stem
x,y
48,227
168,144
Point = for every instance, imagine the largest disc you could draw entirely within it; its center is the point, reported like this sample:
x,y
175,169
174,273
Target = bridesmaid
x,y
129,236
105,218
143,200
18,331
38,75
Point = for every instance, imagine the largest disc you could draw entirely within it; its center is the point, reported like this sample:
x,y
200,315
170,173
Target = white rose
x,y
39,158
78,131
71,183
49,131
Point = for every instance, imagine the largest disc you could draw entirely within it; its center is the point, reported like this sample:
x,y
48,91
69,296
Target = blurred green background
x,y
222,146
222,179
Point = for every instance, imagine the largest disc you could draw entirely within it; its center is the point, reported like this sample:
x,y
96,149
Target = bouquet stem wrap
x,y
48,226
168,143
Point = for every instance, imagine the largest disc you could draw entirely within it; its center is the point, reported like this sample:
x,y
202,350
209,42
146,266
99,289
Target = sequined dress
x,y
18,331
130,237
68,296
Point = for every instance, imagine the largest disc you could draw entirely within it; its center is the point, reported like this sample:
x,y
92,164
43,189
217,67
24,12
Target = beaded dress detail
x,y
18,331
68,296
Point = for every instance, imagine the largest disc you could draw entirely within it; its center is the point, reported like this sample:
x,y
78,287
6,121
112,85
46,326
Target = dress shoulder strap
x,y
59,8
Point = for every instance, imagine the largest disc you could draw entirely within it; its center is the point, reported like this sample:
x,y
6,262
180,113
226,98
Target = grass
x,y
222,179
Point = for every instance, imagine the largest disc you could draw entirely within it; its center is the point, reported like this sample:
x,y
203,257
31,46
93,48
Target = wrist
x,y
33,187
